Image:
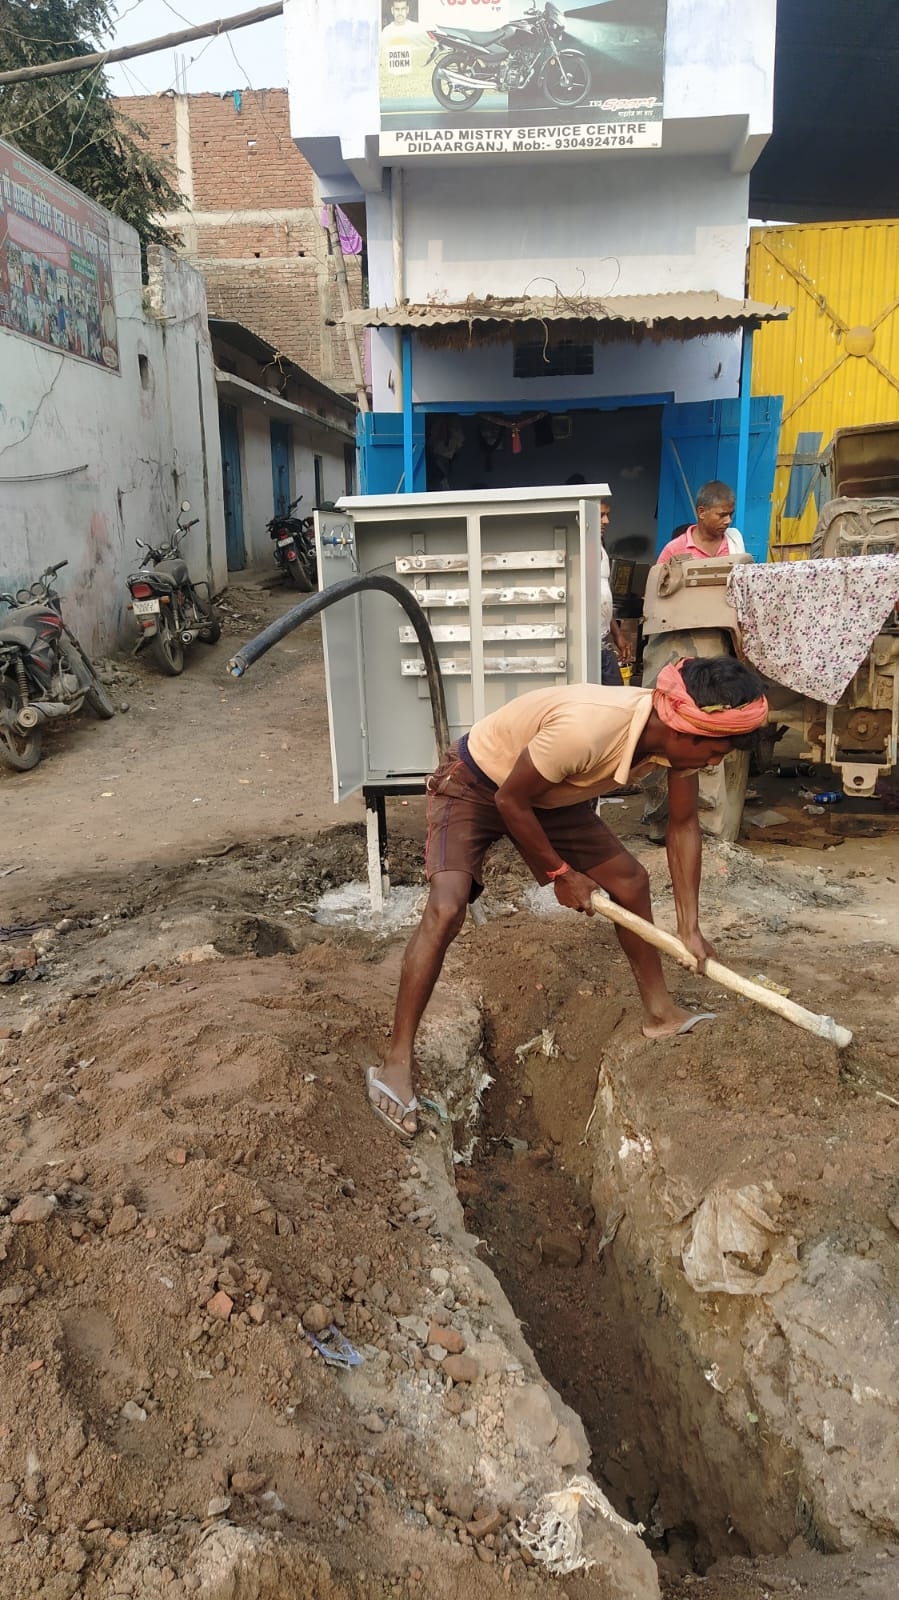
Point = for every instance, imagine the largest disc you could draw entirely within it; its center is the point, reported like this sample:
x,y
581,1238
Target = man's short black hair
x,y
723,681
720,681
715,493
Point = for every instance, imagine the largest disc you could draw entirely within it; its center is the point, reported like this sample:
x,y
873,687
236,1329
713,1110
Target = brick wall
x,y
245,160
155,114
254,222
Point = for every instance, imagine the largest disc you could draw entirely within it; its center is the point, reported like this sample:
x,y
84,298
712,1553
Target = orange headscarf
x,y
675,705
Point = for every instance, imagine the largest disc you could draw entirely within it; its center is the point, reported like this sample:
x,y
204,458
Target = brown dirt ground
x,y
203,1127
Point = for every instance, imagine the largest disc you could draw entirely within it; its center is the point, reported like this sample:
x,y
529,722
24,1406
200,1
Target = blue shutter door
x,y
699,442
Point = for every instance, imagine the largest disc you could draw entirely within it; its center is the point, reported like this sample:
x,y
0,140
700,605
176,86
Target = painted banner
x,y
55,269
497,77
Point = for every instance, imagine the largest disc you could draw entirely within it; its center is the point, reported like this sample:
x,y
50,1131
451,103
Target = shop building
x,y
554,290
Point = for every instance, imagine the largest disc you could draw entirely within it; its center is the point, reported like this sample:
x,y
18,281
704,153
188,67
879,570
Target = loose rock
x,y
462,1369
248,1482
528,1417
449,1339
123,1220
34,1208
561,1249
316,1318
10,1528
491,1522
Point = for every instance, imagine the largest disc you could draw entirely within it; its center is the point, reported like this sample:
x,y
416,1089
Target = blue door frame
x,y
232,486
279,433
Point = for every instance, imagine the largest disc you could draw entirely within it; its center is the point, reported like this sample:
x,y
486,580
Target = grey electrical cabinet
x,y
510,582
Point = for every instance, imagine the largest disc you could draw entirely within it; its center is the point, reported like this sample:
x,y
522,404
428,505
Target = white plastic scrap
x,y
553,1533
463,1157
544,1041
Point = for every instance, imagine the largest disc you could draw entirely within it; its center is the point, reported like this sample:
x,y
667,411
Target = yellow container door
x,y
835,360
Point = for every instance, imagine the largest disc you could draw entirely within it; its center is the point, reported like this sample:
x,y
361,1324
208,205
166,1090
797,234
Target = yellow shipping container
x,y
835,360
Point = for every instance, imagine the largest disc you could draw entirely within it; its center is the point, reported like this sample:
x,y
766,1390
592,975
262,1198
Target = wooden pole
x,y
823,1027
126,52
335,250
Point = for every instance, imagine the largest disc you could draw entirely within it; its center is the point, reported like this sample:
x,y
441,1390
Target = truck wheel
x,y
722,791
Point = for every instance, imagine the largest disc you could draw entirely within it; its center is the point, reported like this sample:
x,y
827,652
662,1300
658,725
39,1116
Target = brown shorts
x,y
463,822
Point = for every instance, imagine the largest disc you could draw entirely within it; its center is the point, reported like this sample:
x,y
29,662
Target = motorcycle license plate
x,y
144,608
288,540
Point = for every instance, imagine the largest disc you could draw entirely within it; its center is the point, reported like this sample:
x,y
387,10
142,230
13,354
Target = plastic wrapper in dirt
x,y
736,1245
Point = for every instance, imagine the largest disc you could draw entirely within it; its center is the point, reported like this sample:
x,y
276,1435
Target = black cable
x,y
278,630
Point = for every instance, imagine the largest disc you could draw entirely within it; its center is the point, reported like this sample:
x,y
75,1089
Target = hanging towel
x,y
810,624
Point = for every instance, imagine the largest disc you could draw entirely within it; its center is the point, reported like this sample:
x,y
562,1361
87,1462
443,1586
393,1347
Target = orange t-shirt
x,y
581,738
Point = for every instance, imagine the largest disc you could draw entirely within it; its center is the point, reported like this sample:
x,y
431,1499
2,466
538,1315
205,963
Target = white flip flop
x,y
690,1024
375,1086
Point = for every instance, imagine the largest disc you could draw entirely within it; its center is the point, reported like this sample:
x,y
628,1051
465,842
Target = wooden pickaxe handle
x,y
824,1027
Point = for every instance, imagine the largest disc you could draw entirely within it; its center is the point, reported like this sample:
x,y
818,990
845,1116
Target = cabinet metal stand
x,y
375,796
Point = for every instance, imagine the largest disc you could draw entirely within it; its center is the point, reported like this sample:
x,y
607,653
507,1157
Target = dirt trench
x,y
729,1425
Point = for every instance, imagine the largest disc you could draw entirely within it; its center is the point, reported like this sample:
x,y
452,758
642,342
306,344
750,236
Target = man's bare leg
x,y
628,883
441,921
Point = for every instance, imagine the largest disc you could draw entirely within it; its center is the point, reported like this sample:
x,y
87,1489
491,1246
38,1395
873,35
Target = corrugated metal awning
x,y
629,317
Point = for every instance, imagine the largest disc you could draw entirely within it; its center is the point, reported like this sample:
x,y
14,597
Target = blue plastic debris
x,y
334,1348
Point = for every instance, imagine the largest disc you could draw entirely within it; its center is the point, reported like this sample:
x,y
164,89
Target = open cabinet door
x,y
700,442
342,645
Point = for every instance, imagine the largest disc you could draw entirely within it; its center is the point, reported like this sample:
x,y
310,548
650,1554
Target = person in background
x,y
721,791
711,534
615,652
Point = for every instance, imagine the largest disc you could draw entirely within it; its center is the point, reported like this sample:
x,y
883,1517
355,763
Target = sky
x,y
204,65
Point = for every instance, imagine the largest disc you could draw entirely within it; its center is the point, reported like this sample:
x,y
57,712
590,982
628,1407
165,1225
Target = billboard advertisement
x,y
55,270
496,77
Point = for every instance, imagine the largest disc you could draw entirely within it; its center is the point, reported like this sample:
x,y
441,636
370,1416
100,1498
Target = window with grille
x,y
564,358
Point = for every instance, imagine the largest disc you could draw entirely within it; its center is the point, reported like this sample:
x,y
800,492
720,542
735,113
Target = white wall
x,y
256,472
696,369
650,226
91,460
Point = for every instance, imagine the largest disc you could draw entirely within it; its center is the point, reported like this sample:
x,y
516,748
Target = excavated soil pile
x,y
191,1178
191,1182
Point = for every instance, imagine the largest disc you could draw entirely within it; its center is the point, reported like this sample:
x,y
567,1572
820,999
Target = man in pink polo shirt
x,y
711,534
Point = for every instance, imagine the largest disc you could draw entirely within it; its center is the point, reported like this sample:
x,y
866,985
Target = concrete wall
x,y
90,460
568,230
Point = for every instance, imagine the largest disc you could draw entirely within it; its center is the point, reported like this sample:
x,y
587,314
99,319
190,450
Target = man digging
x,y
531,772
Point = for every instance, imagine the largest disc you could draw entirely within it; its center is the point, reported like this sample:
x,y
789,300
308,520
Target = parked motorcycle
x,y
295,546
512,57
44,673
167,604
